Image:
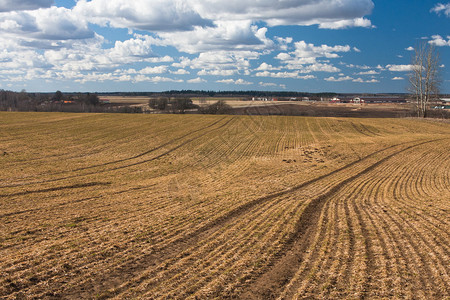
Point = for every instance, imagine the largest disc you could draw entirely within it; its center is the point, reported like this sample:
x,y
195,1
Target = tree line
x,y
58,102
179,105
243,94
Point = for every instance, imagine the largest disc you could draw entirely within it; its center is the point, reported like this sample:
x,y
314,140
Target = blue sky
x,y
349,46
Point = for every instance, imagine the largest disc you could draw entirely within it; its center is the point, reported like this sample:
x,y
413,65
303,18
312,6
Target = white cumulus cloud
x,y
399,68
360,80
221,38
55,23
14,5
339,79
341,24
438,40
197,80
290,12
239,81
442,8
226,35
267,84
371,72
155,15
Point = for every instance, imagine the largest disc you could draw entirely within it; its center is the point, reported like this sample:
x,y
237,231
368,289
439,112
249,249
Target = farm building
x,y
357,100
335,100
445,101
375,99
367,99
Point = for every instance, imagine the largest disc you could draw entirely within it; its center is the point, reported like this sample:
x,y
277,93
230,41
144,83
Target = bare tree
x,y
424,78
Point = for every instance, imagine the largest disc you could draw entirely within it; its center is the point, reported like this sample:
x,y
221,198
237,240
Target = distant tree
x,y
424,79
89,99
218,108
158,103
58,96
180,105
93,99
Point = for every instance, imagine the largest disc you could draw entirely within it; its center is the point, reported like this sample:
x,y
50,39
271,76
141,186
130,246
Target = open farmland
x,y
197,206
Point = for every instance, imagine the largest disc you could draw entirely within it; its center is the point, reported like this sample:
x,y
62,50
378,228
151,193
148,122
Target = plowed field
x,y
246,207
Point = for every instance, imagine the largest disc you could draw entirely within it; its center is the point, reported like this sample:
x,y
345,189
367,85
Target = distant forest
x,y
58,102
90,102
200,93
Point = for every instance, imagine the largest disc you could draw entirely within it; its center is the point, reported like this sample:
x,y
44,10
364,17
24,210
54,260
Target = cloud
x,y
239,81
219,63
399,68
360,80
180,72
320,67
342,24
278,74
348,78
304,50
439,41
222,25
410,48
275,13
294,74
442,8
154,70
87,56
267,84
266,67
306,55
136,47
222,38
217,72
155,15
155,79
362,67
226,35
197,80
398,78
165,58
307,77
55,23
90,55
339,79
371,72
283,42
14,5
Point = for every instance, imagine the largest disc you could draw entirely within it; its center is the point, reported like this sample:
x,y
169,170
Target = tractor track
x,y
127,159
271,283
305,223
161,238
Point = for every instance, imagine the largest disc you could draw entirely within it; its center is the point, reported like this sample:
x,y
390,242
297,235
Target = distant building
x,y
358,100
335,100
263,99
381,99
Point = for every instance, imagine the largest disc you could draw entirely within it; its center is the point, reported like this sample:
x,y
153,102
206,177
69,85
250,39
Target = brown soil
x,y
329,110
244,207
